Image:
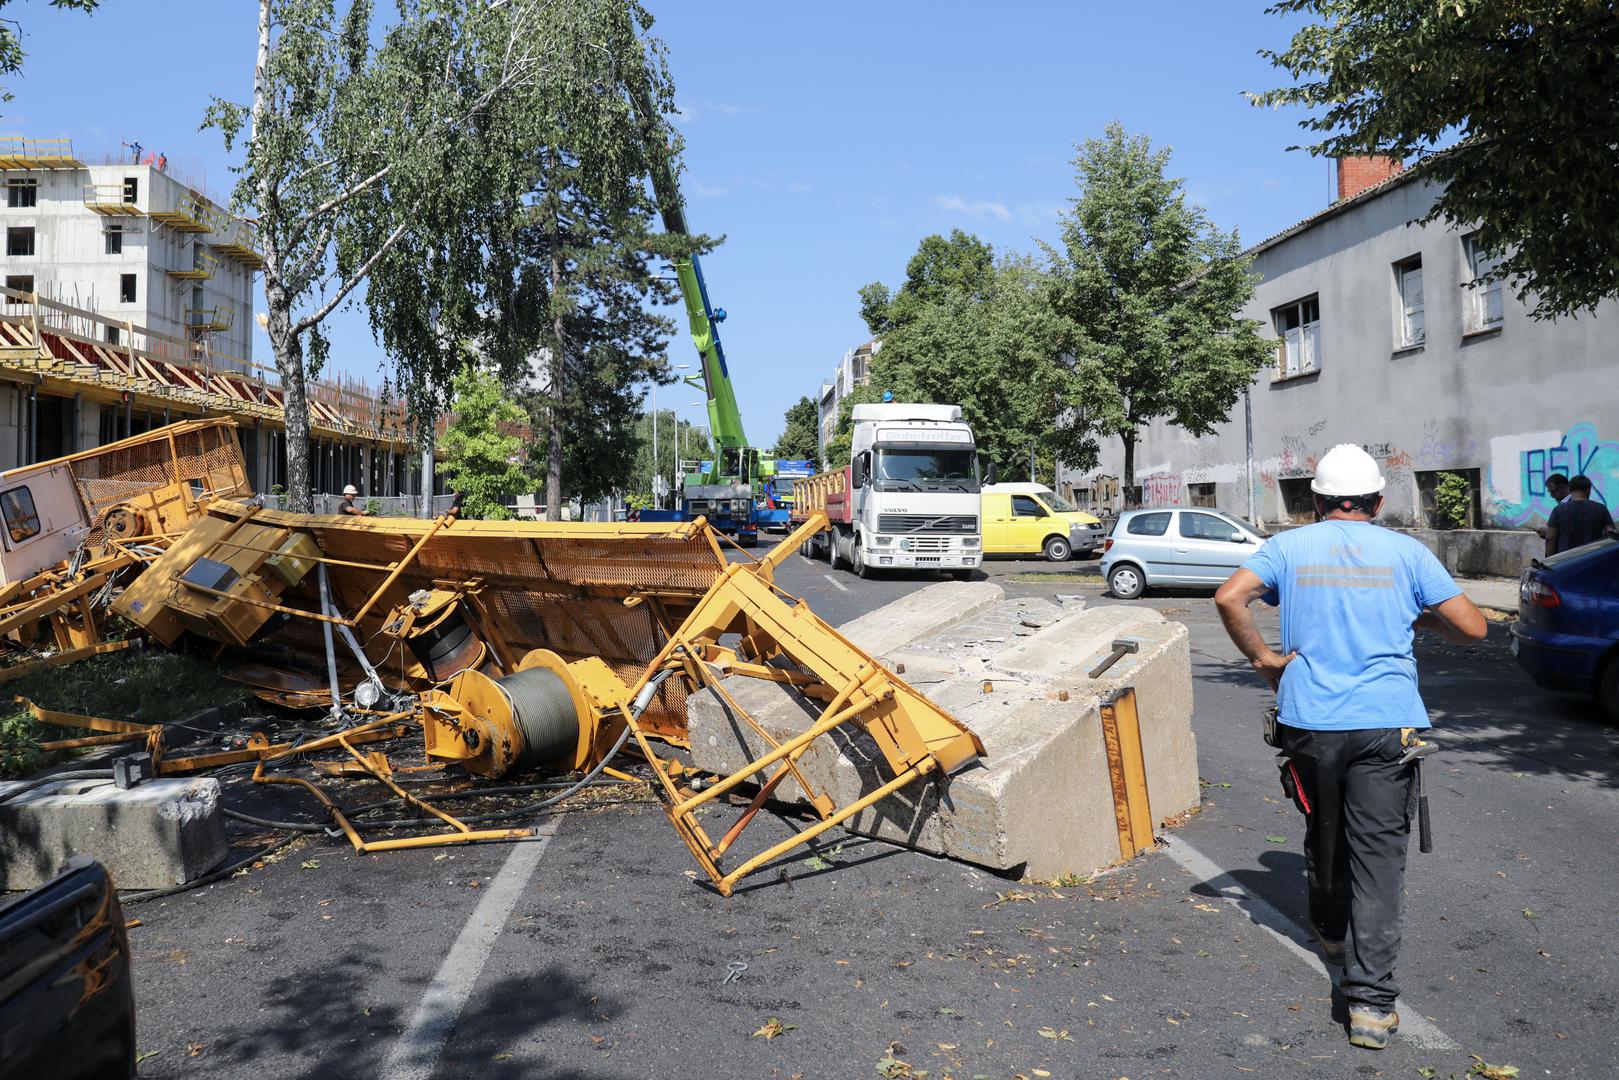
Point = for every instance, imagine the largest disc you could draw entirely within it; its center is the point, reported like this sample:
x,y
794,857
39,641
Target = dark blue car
x,y
1567,632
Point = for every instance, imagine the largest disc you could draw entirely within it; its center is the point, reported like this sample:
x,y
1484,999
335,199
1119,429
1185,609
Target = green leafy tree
x,y
1529,87
799,435
12,54
972,330
678,440
1151,290
838,446
359,134
483,452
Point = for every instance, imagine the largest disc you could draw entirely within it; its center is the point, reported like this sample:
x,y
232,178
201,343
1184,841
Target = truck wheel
x,y
1058,549
857,557
835,555
1126,582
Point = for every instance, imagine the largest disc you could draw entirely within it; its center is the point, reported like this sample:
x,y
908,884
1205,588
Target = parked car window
x,y
22,520
1149,524
1205,527
1023,506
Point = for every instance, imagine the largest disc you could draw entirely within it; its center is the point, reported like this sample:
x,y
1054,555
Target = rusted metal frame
x,y
51,602
822,804
915,772
765,791
89,740
116,730
282,608
17,671
782,750
380,568
399,567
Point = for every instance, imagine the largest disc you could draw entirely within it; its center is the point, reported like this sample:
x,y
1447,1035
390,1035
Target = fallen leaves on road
x,y
144,1054
1053,1033
309,864
131,924
1485,1071
771,1028
1210,908
1273,838
179,956
195,1048
896,1069
500,1057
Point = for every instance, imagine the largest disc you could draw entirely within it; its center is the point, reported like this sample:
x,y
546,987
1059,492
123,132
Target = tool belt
x,y
1292,784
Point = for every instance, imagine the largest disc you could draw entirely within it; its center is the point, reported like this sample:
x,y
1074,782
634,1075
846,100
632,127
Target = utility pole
x,y
1248,427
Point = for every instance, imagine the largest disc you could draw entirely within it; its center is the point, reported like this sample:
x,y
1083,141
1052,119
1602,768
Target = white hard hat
x,y
1345,470
350,489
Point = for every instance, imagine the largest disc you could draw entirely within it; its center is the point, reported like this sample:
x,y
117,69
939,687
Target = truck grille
x,y
930,544
912,523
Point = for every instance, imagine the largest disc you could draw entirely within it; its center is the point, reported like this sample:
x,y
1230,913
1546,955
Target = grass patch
x,y
147,686
1033,577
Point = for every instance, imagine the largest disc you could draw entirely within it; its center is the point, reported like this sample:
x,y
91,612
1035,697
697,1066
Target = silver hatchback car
x,y
1175,546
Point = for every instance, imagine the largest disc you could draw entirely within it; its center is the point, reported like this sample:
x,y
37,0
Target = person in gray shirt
x,y
1579,521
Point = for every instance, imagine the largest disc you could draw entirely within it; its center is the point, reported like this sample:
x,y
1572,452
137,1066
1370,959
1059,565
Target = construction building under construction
x,y
127,304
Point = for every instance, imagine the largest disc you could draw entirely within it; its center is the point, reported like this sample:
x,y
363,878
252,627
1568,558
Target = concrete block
x,y
918,614
161,833
1040,801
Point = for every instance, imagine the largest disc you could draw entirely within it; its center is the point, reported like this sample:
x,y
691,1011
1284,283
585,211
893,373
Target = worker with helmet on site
x,y
1351,595
347,505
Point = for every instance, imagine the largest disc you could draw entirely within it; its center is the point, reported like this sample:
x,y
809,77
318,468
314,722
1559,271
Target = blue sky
x,y
824,141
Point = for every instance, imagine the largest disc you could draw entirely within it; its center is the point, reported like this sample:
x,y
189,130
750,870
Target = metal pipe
x,y
331,652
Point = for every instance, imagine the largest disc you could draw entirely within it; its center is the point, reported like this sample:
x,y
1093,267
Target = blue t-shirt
x,y
1349,593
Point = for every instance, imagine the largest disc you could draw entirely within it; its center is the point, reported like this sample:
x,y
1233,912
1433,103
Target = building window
x,y
1298,502
1299,327
1484,301
132,188
20,241
112,339
1449,498
22,193
115,240
22,520
126,288
19,283
1201,495
1408,282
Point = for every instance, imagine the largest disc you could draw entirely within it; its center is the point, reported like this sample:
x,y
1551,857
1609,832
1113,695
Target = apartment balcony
x,y
190,214
17,152
203,320
204,264
111,199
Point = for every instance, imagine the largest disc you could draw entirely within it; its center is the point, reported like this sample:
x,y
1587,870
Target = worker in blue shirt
x,y
1351,594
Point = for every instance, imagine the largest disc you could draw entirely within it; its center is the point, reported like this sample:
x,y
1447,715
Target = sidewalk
x,y
1496,593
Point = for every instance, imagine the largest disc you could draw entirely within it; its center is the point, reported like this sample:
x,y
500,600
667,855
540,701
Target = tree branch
x,y
354,279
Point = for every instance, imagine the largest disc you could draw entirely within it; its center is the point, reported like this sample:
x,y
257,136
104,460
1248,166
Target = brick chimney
x,y
1358,172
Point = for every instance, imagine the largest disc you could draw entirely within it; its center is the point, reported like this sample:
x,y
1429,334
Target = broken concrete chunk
x,y
159,834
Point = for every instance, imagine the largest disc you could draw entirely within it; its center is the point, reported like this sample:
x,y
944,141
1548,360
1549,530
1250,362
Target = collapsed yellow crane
x,y
528,644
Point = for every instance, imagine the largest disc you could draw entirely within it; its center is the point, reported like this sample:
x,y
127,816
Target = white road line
x,y
840,585
1418,1028
415,1055
807,561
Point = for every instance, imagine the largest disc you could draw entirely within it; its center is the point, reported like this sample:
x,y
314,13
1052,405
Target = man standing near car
x,y
1578,521
1351,595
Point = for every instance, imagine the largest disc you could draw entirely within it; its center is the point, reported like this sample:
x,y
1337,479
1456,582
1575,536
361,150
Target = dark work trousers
x,y
1355,841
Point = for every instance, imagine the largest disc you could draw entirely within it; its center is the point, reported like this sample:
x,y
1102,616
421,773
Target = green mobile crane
x,y
725,489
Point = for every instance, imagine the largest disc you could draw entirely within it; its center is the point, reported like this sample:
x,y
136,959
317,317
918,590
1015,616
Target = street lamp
x,y
657,501
681,432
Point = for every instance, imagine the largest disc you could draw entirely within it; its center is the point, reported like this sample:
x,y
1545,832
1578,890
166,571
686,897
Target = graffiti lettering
x,y
1519,496
1163,490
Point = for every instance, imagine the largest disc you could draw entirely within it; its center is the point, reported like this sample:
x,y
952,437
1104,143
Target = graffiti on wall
x,y
1161,490
1520,464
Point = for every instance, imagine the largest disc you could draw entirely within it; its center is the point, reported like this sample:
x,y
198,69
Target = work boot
x,y
1371,1027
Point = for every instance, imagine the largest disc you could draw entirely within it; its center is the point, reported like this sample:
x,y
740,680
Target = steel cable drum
x,y
544,713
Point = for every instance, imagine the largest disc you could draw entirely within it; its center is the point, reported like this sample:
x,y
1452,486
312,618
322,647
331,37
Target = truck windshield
x,y
926,470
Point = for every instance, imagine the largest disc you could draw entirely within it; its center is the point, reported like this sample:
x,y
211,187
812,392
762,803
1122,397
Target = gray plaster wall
x,y
1531,398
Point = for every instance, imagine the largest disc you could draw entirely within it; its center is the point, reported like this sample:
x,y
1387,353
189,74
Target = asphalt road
x,y
595,953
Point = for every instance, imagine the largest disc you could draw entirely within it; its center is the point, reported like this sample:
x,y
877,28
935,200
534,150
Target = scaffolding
x,y
210,319
17,152
204,264
113,198
192,213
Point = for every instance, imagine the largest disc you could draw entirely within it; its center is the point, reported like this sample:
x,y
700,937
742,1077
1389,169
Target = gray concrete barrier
x,y
1041,802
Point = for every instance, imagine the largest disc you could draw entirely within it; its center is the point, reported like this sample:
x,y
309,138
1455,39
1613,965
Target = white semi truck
x,y
908,497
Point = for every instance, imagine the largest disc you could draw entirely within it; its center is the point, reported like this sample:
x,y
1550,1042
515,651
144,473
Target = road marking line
x,y
840,585
416,1052
1413,1024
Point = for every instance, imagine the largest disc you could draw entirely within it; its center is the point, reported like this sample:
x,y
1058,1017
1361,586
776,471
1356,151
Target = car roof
x,y
1018,487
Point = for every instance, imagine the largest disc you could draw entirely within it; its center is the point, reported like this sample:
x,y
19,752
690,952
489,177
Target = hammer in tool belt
x,y
1416,749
